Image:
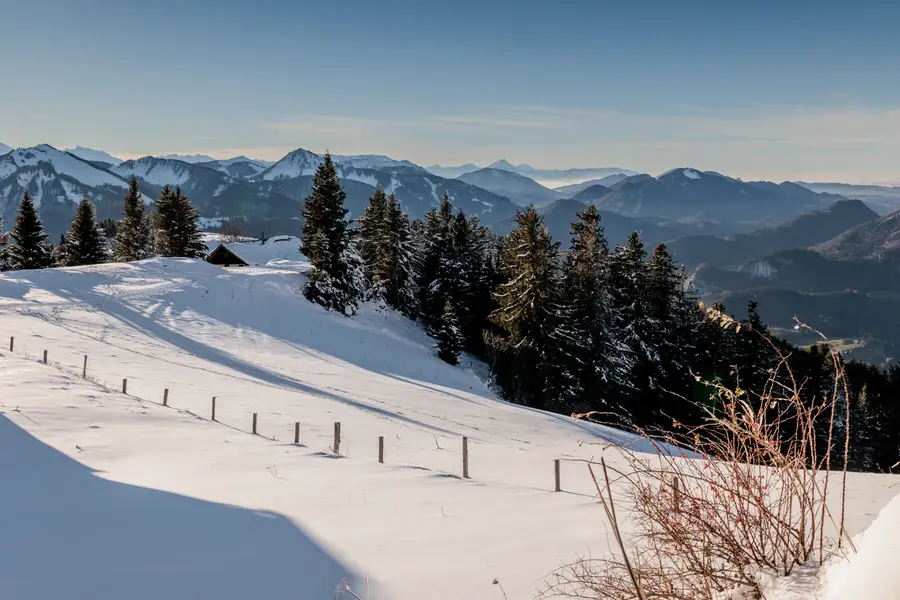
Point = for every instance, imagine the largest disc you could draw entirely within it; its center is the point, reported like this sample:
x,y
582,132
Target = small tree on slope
x,y
85,243
325,243
133,241
28,249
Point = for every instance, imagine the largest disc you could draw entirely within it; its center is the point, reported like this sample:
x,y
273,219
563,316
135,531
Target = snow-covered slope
x,y
62,163
156,171
239,167
140,501
188,158
375,161
298,163
4,149
93,155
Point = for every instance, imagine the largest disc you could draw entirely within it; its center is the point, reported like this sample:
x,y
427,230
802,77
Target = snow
x,y
362,177
296,164
188,158
372,161
691,174
93,155
112,490
156,171
760,268
4,149
872,572
62,162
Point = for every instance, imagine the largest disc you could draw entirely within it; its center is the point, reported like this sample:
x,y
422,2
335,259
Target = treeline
x,y
170,229
618,331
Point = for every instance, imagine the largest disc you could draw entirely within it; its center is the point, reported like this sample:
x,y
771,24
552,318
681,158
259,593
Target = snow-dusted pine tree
x,y
325,241
448,335
526,305
177,232
85,243
133,240
28,249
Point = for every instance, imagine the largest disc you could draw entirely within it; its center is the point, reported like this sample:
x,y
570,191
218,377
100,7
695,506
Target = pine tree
x,y
525,298
632,327
372,237
585,353
325,241
132,233
448,335
399,261
85,243
435,248
28,249
177,232
4,248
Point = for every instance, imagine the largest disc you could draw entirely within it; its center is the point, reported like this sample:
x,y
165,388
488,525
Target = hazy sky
x,y
757,89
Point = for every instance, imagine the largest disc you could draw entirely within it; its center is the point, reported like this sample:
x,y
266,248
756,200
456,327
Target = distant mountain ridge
x,y
518,188
91,155
803,231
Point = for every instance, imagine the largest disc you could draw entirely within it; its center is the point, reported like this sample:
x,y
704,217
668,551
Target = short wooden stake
x,y
45,357
12,342
337,437
297,432
465,458
254,423
214,408
558,486
381,449
125,386
84,368
166,397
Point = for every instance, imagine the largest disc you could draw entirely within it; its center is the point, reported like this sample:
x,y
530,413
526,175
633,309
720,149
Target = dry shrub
x,y
744,493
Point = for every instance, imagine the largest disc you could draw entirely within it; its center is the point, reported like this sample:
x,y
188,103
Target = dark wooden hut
x,y
224,257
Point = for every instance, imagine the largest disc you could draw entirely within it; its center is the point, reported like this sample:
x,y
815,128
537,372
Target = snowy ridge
x,y
298,163
374,161
61,162
157,171
4,149
92,155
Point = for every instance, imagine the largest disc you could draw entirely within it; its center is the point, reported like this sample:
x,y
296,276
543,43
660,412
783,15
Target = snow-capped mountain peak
x,y
4,149
298,163
157,171
90,154
374,161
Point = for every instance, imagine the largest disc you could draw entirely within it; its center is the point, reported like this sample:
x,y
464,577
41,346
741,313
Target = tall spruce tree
x,y
632,327
399,262
526,308
325,243
586,355
132,232
372,239
28,249
85,243
435,249
177,232
4,248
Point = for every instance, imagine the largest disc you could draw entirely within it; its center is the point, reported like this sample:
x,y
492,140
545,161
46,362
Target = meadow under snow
x,y
109,496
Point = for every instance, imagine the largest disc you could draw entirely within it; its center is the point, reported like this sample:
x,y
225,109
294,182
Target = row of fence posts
x,y
336,447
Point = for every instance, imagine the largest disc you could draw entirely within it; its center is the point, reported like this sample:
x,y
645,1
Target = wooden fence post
x,y
297,432
12,342
254,423
125,386
45,357
465,458
166,397
381,449
84,368
337,437
214,408
558,487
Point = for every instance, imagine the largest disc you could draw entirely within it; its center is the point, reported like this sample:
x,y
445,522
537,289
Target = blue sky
x,y
753,89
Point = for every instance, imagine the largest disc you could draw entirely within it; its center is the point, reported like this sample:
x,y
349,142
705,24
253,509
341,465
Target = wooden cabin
x,y
224,257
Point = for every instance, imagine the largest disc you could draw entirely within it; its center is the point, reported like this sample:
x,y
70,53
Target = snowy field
x,y
112,496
